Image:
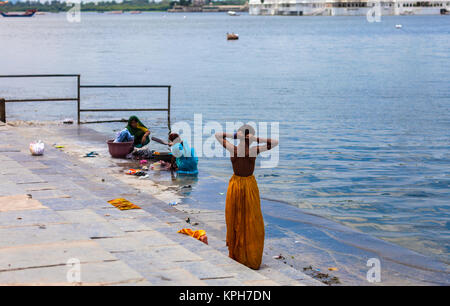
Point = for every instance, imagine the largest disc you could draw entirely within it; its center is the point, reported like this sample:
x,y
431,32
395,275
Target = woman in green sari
x,y
137,132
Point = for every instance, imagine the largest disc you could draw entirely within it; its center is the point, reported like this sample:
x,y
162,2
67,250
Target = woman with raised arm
x,y
245,224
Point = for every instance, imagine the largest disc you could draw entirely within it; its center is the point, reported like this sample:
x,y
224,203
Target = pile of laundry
x,y
136,172
145,167
146,153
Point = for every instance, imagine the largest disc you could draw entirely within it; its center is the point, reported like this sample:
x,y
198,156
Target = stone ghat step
x,y
123,247
289,276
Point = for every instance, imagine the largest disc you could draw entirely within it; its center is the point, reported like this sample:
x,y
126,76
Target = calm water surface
x,y
363,107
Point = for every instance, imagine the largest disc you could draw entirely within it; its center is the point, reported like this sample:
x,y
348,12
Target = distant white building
x,y
346,7
198,2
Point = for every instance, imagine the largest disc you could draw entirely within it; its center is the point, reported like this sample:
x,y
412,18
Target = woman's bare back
x,y
243,156
243,166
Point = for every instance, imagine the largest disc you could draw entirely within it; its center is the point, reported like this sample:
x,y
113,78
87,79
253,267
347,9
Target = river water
x,y
363,108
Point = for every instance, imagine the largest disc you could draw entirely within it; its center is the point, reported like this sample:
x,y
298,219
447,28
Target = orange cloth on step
x,y
196,234
245,224
123,204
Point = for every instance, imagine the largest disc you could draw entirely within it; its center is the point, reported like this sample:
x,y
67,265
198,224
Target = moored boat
x,y
27,13
232,36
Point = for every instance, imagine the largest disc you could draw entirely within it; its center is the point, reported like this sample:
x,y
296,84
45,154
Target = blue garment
x,y
124,136
188,161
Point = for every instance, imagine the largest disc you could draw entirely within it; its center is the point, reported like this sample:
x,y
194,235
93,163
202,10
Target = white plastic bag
x,y
37,148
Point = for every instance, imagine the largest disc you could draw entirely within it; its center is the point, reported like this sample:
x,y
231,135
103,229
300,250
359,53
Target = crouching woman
x,y
185,159
135,131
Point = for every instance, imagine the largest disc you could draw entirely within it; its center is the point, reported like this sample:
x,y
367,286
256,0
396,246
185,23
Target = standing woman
x,y
245,224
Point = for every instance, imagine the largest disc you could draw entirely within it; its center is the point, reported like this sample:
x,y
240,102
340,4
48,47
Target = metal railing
x,y
78,98
80,110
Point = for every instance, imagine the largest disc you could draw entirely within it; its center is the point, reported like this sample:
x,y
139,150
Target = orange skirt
x,y
245,224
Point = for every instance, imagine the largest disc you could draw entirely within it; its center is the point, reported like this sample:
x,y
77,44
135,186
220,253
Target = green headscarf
x,y
138,132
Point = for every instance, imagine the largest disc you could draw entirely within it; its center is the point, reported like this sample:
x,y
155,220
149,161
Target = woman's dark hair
x,y
173,136
247,129
133,119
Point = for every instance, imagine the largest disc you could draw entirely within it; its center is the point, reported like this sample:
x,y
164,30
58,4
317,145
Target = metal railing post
x,y
2,110
168,108
78,99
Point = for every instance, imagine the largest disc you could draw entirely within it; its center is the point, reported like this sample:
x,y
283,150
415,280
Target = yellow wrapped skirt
x,y
245,224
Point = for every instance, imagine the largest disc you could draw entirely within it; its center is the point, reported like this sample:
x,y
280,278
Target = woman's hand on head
x,y
252,138
240,135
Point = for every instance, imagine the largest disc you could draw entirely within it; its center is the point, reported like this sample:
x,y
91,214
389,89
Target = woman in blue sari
x,y
186,160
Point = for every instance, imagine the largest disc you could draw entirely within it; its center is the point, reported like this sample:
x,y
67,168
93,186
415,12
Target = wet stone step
x,y
140,246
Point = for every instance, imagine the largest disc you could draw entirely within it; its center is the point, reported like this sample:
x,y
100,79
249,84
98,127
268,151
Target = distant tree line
x,y
103,6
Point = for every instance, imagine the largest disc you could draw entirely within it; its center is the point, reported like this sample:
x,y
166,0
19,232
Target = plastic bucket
x,y
119,149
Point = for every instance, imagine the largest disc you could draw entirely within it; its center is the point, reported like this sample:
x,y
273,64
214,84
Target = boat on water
x,y
233,13
232,36
135,12
27,13
115,12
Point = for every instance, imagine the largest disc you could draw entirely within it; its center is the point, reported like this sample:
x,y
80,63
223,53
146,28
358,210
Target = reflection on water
x,y
363,108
